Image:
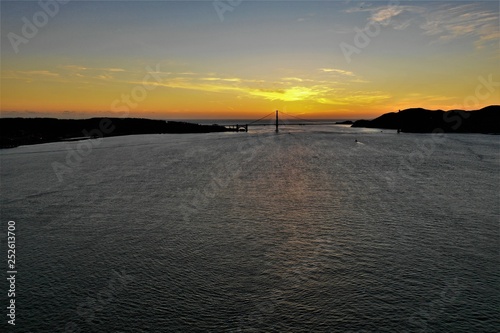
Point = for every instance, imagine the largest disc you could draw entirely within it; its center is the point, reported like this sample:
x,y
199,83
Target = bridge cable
x,y
261,118
312,121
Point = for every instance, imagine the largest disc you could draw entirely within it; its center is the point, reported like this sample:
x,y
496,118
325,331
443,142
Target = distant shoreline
x,y
15,132
483,121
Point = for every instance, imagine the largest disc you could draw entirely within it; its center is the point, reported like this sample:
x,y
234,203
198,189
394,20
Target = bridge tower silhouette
x,y
276,121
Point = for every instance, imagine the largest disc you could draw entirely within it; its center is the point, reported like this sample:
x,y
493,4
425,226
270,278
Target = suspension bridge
x,y
277,122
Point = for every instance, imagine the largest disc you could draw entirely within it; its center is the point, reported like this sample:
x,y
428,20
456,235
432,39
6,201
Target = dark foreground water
x,y
302,231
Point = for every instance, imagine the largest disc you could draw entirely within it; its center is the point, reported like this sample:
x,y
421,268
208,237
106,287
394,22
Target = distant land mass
x,y
345,122
27,131
485,120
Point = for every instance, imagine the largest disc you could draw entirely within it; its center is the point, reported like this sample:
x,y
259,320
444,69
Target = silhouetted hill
x,y
485,120
24,131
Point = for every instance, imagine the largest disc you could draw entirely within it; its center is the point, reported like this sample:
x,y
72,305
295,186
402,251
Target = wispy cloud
x,y
428,99
443,22
312,89
29,76
452,22
231,79
337,71
39,73
287,89
289,94
83,68
490,34
356,97
385,14
296,79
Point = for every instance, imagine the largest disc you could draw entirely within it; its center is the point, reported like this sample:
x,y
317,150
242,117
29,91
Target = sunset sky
x,y
244,59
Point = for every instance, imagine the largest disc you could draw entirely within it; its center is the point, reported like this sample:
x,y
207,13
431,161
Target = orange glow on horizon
x,y
292,58
76,91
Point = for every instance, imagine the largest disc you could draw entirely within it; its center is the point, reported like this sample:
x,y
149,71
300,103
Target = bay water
x,y
312,229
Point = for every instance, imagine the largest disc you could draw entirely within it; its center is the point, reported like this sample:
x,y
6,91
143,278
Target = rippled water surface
x,y
302,231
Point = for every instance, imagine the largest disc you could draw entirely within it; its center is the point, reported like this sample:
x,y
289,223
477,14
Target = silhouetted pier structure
x,y
238,128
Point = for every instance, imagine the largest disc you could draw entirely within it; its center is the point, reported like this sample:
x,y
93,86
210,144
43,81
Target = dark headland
x,y
27,131
485,120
